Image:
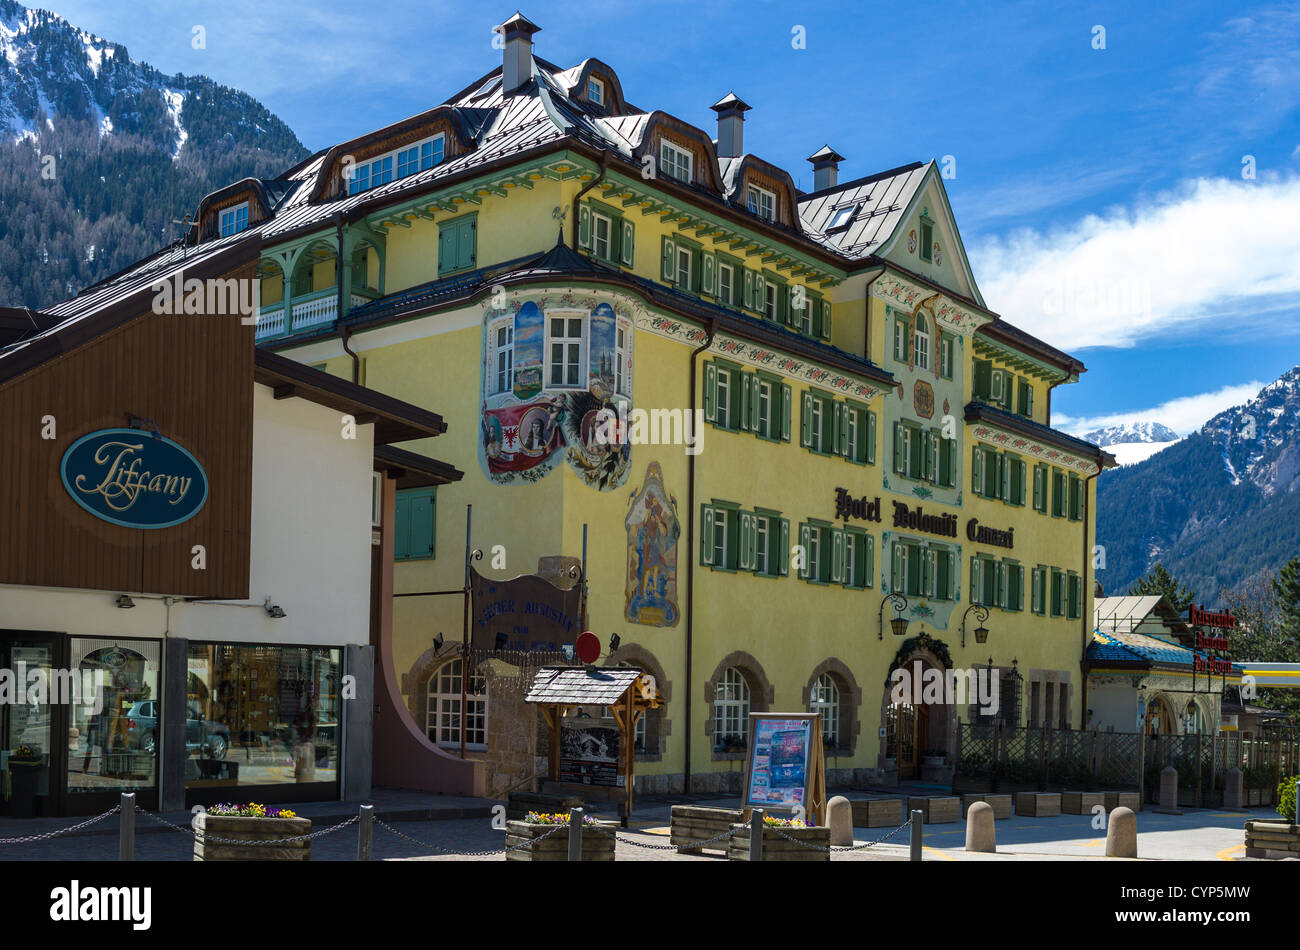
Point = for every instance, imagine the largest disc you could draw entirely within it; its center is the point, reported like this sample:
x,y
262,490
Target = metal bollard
x,y
756,835
575,834
126,828
918,828
365,832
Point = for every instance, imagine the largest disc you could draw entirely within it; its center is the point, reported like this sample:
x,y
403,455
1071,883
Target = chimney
x,y
731,125
517,65
826,167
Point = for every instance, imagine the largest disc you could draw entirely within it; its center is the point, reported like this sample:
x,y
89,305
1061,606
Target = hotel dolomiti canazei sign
x,y
134,478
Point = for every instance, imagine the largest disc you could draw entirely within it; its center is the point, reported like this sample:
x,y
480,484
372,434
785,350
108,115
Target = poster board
x,y
589,752
785,767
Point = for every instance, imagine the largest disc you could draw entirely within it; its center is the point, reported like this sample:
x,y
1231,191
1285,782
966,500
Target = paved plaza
x,y
414,826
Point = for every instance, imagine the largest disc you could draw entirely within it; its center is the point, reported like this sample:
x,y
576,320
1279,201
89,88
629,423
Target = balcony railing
x,y
310,310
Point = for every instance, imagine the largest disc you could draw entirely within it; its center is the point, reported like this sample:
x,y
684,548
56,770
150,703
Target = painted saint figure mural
x,y
540,404
652,533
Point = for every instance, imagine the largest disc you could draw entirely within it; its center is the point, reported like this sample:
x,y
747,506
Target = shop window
x,y
442,724
414,532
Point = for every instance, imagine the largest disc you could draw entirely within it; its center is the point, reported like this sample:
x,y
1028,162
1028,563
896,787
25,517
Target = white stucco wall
x,y
1114,707
310,548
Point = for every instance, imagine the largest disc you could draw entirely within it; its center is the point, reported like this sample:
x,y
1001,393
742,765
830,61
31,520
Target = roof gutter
x,y
604,166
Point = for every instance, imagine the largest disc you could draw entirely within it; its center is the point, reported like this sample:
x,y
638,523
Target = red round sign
x,y
588,647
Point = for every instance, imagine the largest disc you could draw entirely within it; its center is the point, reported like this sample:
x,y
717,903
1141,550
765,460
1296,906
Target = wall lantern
x,y
981,615
899,623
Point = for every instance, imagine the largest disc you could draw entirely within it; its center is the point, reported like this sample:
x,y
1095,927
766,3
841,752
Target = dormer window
x,y
596,91
675,162
762,203
234,220
842,217
407,160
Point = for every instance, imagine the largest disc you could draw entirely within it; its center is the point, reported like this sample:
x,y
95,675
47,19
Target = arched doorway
x,y
916,711
1160,718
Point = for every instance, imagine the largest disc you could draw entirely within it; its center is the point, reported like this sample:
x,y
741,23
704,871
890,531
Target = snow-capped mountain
x,y
1130,432
99,153
1217,506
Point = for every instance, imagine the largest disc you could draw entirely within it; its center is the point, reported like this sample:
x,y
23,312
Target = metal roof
x,y
880,201
1124,613
1137,647
581,685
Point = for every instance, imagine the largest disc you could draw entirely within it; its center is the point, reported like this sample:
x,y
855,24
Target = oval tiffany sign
x,y
132,478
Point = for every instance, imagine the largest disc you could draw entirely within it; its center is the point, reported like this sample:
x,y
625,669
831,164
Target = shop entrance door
x,y
32,759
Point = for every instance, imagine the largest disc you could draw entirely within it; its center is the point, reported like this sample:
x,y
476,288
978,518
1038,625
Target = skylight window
x,y
842,217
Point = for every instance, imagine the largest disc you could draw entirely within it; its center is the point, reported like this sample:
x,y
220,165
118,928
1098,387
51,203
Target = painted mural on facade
x,y
550,366
652,533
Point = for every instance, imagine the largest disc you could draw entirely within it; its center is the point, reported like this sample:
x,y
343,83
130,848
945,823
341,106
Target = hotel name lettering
x,y
918,519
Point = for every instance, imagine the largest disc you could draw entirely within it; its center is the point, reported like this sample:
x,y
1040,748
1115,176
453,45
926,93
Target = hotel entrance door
x,y
908,734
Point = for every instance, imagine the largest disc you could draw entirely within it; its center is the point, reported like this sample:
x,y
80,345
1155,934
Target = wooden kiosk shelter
x,y
580,757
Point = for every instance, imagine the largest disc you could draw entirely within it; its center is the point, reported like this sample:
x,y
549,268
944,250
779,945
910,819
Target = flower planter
x,y
1001,804
777,848
1263,837
878,813
250,829
1254,797
595,846
1038,804
22,797
936,811
1081,803
691,823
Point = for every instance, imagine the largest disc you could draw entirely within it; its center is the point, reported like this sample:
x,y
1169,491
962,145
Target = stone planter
x,y
251,829
1038,804
936,811
1081,803
595,846
1113,800
691,823
1001,804
777,848
1277,837
519,804
1254,797
878,813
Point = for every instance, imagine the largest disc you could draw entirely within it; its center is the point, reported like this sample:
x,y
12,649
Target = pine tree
x,y
1159,581
1286,587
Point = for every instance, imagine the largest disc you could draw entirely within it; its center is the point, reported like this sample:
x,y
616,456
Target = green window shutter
x,y
746,538
982,381
710,392
783,551
976,581
787,397
627,248
465,256
744,406
760,293
805,430
913,570
1035,598
871,437
927,572
1056,593
1076,498
932,456
584,227
446,249
976,471
669,255
842,414
837,556
805,538
706,534
990,575
824,324
414,529
900,449
708,275
869,561
896,579
945,461
1017,496
747,288
1074,591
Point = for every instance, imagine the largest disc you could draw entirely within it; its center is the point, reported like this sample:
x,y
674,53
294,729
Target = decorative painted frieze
x,y
953,316
1031,447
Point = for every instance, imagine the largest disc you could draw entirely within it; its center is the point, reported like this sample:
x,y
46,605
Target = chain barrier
x,y
205,837
835,847
662,847
501,849
46,836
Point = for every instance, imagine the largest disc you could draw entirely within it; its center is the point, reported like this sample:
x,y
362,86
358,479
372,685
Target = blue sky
x,y
1099,191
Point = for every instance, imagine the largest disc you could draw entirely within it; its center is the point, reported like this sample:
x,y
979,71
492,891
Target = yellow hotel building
x,y
535,251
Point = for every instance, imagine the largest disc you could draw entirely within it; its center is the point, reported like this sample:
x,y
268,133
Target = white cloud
x,y
1209,249
1184,415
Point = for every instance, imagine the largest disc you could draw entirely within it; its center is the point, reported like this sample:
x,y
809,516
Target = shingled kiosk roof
x,y
580,685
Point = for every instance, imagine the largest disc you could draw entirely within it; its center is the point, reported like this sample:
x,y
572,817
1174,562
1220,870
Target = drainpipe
x,y
691,560
604,165
1084,616
344,334
866,344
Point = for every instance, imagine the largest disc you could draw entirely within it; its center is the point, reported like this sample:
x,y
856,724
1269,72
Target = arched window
x,y
922,341
731,711
443,722
824,698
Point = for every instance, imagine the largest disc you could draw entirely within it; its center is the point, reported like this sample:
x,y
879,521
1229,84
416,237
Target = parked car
x,y
210,739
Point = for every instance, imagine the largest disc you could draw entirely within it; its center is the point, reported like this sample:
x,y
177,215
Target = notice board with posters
x,y
785,769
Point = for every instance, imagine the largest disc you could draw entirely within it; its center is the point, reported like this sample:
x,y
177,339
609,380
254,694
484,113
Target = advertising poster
x,y
589,752
779,768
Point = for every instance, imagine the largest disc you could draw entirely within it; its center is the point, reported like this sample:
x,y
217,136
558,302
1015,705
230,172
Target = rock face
x,y
1214,508
118,149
